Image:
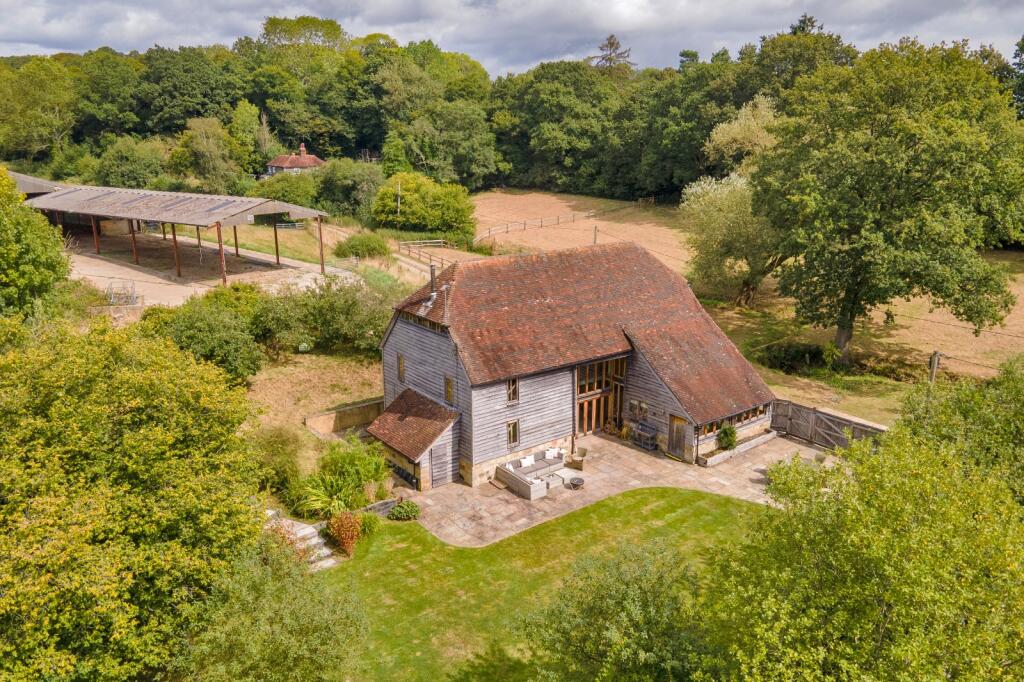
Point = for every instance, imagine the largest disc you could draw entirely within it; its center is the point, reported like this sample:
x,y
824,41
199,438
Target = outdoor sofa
x,y
525,476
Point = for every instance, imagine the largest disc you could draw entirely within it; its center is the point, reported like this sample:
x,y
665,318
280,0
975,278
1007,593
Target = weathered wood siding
x,y
429,358
545,413
444,456
642,383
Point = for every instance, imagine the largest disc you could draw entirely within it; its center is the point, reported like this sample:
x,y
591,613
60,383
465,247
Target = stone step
x,y
318,554
310,542
329,562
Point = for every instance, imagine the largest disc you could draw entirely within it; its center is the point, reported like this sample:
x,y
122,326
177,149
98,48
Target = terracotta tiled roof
x,y
519,315
300,160
411,423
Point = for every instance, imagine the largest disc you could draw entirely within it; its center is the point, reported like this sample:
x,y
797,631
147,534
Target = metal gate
x,y
821,428
444,465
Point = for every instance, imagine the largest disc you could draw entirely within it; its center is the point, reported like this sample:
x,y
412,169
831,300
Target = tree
x,y
611,54
294,188
130,163
182,84
450,143
985,419
902,562
1018,83
125,495
424,206
734,145
622,620
304,30
348,187
734,249
32,256
887,179
269,619
108,93
205,155
255,143
37,108
392,156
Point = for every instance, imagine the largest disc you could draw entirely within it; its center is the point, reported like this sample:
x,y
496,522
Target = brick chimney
x,y
302,149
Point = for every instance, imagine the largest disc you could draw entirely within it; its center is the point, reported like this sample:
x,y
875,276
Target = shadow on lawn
x,y
494,663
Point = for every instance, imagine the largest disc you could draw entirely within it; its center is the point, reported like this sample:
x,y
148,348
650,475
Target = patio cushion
x,y
527,461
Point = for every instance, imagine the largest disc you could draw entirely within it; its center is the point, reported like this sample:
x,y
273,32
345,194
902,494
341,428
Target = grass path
x,y
432,607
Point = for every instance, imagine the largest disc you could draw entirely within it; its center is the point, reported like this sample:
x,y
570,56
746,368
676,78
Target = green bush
x,y
278,450
348,478
727,437
219,336
278,325
342,315
272,620
348,187
369,524
294,188
426,206
406,510
363,245
791,357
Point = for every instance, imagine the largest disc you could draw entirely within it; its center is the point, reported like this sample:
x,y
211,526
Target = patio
x,y
474,517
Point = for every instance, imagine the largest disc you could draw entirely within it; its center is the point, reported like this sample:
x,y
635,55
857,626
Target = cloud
x,y
507,35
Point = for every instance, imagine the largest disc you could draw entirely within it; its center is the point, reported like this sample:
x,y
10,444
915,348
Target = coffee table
x,y
575,482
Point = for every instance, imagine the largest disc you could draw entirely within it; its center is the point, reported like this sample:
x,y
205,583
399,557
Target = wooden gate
x,y
444,467
821,428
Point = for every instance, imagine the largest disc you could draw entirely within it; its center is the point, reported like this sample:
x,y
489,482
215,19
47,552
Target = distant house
x,y
502,357
294,163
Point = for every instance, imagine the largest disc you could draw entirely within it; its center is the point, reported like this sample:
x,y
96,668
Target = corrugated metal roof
x,y
165,207
28,184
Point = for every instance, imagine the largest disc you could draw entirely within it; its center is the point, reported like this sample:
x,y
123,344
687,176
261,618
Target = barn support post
x,y
320,238
131,234
220,248
199,240
234,228
174,246
163,228
277,251
95,234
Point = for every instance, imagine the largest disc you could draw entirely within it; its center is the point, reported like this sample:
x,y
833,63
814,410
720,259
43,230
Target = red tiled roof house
x,y
502,357
294,163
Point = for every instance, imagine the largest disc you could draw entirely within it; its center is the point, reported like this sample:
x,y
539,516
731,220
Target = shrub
x,y
129,163
278,325
271,619
32,258
791,357
727,437
342,315
345,528
278,450
293,188
426,206
348,470
348,187
363,245
407,510
217,335
369,524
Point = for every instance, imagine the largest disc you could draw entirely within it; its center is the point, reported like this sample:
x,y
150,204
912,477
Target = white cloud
x,y
507,34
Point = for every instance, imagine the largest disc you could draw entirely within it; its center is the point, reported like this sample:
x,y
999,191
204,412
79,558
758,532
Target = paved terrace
x,y
474,517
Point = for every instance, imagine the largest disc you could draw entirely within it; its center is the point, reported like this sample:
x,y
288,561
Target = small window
x,y
512,390
638,409
401,367
512,431
449,390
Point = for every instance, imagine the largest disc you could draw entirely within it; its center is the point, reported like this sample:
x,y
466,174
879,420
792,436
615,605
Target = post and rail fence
x,y
827,429
416,249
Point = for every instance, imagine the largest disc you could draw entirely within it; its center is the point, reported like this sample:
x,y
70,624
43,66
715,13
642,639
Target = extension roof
x,y
519,315
165,207
411,423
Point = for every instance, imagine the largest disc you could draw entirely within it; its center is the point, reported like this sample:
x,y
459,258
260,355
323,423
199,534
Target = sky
x,y
507,35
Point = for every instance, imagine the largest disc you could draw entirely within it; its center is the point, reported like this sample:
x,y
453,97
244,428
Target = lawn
x,y
298,243
433,608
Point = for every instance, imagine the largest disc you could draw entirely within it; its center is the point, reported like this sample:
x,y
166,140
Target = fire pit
x,y
575,482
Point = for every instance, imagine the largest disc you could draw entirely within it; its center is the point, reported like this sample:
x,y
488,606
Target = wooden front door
x,y
676,435
444,466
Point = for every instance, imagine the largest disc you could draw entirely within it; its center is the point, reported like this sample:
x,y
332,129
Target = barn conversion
x,y
499,358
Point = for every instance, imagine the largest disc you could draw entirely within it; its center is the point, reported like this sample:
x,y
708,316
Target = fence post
x,y
813,429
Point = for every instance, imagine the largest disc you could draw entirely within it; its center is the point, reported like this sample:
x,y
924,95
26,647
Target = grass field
x,y
435,610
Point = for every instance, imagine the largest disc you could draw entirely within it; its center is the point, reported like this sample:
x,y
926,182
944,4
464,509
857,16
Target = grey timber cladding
x,y
642,383
545,413
444,456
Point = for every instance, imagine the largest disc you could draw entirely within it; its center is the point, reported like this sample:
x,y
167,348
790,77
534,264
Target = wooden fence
x,y
816,426
415,249
520,225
